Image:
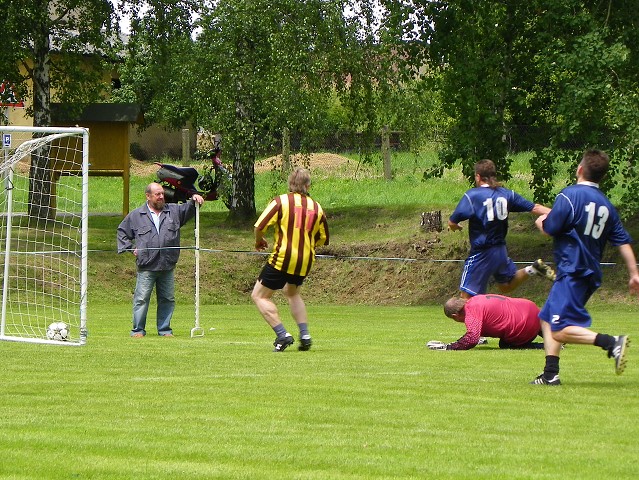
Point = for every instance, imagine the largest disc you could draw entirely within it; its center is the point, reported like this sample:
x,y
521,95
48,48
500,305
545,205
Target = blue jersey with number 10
x,y
486,210
582,221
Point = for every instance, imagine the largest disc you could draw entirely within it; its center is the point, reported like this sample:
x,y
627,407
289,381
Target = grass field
x,y
369,401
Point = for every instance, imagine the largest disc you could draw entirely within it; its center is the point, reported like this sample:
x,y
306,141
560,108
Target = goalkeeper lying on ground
x,y
514,321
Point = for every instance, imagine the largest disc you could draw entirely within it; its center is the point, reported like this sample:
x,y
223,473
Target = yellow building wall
x,y
109,153
108,144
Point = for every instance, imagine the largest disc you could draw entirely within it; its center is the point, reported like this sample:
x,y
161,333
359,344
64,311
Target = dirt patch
x,y
142,169
23,165
325,161
314,160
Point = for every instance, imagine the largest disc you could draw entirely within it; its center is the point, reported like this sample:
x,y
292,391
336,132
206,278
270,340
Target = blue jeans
x,y
164,282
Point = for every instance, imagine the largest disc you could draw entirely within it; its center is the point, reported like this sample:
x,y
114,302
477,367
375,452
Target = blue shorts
x,y
566,303
481,266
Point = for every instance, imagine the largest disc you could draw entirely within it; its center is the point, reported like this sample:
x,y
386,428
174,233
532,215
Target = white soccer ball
x,y
58,331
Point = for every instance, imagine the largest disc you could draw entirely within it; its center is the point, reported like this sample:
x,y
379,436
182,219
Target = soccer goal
x,y
44,234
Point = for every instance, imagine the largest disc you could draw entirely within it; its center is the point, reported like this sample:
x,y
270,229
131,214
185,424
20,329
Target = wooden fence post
x,y
386,153
286,152
186,147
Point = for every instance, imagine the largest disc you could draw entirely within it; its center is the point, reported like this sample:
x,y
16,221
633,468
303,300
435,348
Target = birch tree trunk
x,y
41,202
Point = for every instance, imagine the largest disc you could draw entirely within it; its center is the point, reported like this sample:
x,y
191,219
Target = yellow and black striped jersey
x,y
300,226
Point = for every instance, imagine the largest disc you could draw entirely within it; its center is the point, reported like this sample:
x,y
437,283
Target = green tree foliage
x,y
54,46
411,102
474,45
389,84
246,70
249,70
262,66
586,79
158,69
565,70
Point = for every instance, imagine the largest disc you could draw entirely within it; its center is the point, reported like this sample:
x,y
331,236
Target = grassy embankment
x,y
369,218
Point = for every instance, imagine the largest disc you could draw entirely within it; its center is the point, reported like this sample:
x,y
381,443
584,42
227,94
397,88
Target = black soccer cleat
x,y
541,380
543,270
281,343
305,343
618,352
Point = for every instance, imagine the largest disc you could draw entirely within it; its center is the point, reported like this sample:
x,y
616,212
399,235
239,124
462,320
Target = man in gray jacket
x,y
152,233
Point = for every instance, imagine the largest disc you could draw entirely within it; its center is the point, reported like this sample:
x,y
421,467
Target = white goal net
x,y
43,234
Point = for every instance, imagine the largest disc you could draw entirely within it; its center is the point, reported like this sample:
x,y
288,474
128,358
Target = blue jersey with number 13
x,y
582,221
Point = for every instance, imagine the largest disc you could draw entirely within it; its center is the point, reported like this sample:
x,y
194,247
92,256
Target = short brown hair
x,y
595,165
299,181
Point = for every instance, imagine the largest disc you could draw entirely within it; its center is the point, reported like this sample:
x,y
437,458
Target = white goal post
x,y
44,208
197,330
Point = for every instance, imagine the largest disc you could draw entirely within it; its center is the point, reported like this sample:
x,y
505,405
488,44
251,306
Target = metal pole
x,y
85,238
7,253
197,331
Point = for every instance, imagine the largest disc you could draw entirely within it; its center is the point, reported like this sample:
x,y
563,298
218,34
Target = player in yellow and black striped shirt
x,y
300,226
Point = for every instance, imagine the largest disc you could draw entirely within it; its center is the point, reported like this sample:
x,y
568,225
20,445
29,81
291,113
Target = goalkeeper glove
x,y
436,345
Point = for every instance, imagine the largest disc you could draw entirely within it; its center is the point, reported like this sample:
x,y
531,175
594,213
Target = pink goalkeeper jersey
x,y
514,320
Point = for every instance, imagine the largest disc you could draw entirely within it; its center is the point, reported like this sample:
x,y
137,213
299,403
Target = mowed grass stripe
x,y
368,401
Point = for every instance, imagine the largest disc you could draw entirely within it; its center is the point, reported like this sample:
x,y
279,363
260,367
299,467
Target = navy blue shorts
x,y
566,303
275,280
481,266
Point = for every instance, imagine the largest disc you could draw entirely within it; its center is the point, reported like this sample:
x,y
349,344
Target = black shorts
x,y
275,280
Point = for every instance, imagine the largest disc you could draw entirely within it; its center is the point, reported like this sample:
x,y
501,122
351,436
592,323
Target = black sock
x,y
604,341
552,367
